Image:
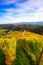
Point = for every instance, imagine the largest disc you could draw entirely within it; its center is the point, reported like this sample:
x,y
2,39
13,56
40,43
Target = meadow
x,y
20,48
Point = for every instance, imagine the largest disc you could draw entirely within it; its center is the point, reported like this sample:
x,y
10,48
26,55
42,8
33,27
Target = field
x,y
20,48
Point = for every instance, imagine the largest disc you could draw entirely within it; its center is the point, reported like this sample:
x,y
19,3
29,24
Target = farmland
x,y
20,48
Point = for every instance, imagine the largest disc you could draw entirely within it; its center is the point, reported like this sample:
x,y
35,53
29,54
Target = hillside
x,y
20,48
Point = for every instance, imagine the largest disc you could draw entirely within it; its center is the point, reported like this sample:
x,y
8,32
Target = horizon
x,y
16,11
32,23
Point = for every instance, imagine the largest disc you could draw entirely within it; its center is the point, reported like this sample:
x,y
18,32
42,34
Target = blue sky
x,y
12,11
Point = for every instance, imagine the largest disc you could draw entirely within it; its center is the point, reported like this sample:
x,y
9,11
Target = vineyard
x,y
20,48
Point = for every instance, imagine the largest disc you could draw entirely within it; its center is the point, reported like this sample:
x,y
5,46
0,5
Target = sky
x,y
14,11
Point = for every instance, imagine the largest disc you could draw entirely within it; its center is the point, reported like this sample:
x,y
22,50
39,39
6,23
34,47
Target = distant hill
x,y
36,27
31,23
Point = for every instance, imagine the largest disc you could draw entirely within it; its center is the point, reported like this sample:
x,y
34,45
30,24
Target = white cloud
x,y
30,11
38,16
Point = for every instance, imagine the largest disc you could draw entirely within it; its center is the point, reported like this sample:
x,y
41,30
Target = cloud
x,y
12,11
12,1
9,17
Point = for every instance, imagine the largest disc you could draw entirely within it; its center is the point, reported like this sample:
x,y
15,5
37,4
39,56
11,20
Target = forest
x,y
21,27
